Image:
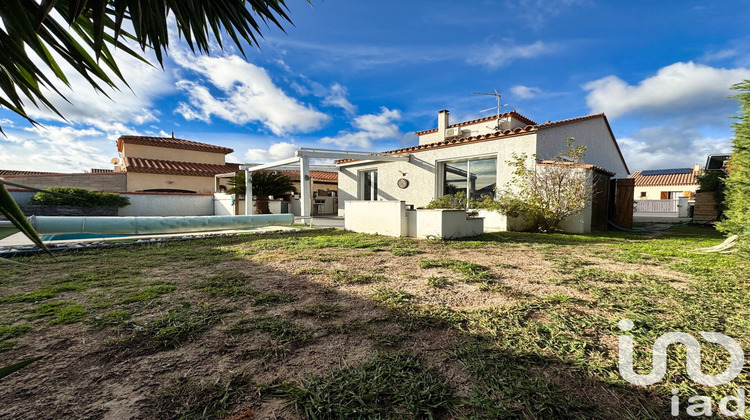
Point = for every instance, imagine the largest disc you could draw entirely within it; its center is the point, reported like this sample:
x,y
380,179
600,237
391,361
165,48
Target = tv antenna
x,y
498,107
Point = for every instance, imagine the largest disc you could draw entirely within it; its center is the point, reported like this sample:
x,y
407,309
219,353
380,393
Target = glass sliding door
x,y
454,174
482,177
473,177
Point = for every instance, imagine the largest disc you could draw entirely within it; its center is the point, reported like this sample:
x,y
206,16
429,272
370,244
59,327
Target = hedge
x,y
79,197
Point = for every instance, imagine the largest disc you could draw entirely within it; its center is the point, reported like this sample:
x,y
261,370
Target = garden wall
x,y
168,204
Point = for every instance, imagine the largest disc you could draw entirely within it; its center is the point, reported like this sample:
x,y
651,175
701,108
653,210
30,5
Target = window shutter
x,y
665,195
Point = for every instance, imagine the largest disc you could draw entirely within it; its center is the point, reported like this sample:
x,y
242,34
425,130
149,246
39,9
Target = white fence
x,y
656,206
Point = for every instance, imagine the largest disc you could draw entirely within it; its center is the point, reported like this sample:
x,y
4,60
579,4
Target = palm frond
x,y
83,33
12,212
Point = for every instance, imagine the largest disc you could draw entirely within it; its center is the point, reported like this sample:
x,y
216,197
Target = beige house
x,y
666,184
168,164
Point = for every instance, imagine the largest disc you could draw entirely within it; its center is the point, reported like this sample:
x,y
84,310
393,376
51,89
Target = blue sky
x,y
365,75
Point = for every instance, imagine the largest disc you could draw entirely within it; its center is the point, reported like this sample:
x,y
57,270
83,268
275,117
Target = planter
x,y
39,210
443,224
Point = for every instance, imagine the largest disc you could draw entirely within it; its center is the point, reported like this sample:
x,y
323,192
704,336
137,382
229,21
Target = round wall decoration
x,y
403,183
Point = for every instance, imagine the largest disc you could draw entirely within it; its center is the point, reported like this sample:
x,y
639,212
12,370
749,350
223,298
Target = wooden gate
x,y
621,202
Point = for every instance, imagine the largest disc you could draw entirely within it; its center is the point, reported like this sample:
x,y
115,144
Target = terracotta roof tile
x,y
456,142
682,176
155,166
499,134
321,175
569,120
101,171
9,172
513,113
171,143
575,165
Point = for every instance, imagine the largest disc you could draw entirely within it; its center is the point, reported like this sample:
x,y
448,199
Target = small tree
x,y
738,182
264,184
545,196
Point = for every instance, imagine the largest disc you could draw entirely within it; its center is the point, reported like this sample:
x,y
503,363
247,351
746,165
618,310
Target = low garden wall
x,y
377,217
168,204
393,219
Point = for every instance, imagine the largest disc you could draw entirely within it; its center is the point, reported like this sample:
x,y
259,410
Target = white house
x,y
472,156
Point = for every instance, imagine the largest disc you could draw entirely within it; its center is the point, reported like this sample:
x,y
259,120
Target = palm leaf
x,y
12,212
81,32
7,370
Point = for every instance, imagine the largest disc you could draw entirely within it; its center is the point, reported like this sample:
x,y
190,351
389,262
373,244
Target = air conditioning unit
x,y
452,132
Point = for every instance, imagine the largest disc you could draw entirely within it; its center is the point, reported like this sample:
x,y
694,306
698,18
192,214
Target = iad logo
x,y
692,365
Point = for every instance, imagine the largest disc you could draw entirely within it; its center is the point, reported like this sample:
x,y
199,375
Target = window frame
x,y
440,172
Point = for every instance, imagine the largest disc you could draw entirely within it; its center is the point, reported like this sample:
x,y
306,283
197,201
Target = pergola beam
x,y
253,168
345,154
301,162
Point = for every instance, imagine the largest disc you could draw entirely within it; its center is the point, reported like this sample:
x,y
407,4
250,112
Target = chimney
x,y
697,169
443,122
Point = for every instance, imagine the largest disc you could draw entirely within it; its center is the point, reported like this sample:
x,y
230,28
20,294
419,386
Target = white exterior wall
x,y
422,174
376,217
223,204
168,205
593,134
654,193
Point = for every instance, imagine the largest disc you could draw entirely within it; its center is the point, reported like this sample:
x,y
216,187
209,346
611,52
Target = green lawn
x,y
330,324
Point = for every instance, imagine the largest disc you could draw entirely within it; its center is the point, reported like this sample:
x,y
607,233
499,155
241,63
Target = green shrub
x,y
67,196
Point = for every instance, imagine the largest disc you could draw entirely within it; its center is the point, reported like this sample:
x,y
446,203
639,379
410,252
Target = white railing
x,y
656,206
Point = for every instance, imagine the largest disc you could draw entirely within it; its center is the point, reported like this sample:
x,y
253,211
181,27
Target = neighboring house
x,y
94,180
323,182
666,184
147,164
168,164
472,156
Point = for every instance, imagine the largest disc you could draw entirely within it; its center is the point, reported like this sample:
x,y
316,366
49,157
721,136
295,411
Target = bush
x,y
738,182
78,197
457,201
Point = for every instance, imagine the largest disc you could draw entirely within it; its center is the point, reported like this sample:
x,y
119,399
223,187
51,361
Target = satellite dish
x,y
115,161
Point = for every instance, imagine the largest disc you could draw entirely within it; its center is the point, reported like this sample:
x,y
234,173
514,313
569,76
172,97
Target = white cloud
x,y
276,151
247,94
133,104
56,149
529,10
525,92
719,55
500,55
673,90
668,147
370,127
337,97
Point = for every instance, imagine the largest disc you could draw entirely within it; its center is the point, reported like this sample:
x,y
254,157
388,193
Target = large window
x,y
475,177
368,185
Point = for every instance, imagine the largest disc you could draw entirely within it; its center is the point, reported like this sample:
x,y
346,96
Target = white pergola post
x,y
305,190
248,193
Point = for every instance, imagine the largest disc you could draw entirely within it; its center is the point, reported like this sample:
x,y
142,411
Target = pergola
x,y
301,162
